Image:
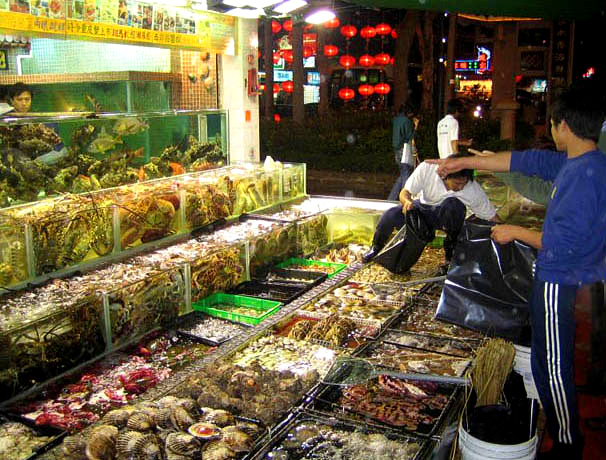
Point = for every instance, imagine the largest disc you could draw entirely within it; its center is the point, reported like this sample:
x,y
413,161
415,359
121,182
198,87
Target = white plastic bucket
x,y
521,365
475,449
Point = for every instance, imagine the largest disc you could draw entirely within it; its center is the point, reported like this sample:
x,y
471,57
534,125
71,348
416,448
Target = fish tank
x,y
279,243
294,184
312,233
43,337
49,154
352,226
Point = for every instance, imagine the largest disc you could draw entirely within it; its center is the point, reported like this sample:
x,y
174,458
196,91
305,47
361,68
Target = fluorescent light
x,y
244,13
319,16
289,5
262,3
236,3
199,5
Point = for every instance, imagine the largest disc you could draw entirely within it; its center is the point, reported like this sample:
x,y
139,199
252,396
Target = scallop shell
x,y
180,418
163,418
183,444
125,444
74,447
219,417
198,430
189,404
172,456
140,421
167,401
147,448
117,417
237,439
217,450
101,444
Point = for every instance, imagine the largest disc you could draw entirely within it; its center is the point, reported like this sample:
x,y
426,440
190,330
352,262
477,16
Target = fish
x,y
128,126
176,167
103,142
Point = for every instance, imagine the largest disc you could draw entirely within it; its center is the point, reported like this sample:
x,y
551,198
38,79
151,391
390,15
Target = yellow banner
x,y
214,31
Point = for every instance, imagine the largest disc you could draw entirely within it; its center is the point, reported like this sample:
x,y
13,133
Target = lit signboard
x,y
482,64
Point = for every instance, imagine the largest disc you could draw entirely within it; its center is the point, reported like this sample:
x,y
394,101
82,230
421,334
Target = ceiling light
x,y
289,5
199,5
319,15
245,13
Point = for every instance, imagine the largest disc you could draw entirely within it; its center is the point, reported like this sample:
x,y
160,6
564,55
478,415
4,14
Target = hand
x,y
407,205
504,234
448,166
483,153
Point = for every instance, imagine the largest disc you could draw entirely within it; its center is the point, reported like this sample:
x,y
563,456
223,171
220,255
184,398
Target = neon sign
x,y
482,64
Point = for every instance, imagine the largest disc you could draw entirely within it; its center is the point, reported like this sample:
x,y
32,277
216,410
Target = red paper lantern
x,y
308,51
277,117
347,61
330,50
288,56
288,25
276,88
368,32
394,34
276,26
382,58
349,31
288,86
366,90
332,23
366,60
276,57
391,61
346,94
382,88
382,29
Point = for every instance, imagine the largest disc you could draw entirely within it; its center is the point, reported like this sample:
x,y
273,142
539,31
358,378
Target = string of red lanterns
x,y
347,61
349,31
346,94
330,50
288,25
366,60
288,86
368,32
275,26
382,29
332,23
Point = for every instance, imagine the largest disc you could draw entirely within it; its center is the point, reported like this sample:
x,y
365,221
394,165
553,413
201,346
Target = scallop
x,y
217,450
163,418
304,432
117,417
237,439
183,444
74,447
101,444
172,456
189,404
147,448
180,418
140,421
219,417
125,444
167,401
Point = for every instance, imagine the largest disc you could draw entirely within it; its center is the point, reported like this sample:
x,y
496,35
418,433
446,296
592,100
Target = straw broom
x,y
492,366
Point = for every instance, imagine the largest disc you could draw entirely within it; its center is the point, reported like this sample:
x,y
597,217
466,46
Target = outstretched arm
x,y
499,162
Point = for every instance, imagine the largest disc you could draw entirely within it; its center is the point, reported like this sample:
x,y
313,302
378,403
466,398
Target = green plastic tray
x,y
437,242
266,308
298,261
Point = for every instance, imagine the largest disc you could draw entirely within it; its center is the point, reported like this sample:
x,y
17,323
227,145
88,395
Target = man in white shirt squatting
x,y
442,202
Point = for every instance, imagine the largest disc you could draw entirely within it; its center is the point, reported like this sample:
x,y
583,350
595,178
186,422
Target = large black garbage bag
x,y
488,285
406,247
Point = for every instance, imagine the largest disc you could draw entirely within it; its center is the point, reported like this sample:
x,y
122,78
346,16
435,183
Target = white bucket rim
x,y
509,448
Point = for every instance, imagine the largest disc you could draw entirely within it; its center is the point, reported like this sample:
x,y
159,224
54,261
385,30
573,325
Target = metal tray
x,y
55,434
281,292
442,345
197,317
301,427
326,401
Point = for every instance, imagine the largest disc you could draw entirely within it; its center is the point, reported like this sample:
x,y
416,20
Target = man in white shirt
x,y
448,131
442,202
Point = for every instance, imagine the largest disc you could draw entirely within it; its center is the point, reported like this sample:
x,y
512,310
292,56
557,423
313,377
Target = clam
x,y
140,421
217,450
125,444
183,444
180,418
237,439
219,417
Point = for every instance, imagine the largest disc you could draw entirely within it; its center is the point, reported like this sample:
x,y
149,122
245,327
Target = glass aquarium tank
x,y
49,155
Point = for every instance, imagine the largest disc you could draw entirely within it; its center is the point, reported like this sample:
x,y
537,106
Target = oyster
x,y
183,444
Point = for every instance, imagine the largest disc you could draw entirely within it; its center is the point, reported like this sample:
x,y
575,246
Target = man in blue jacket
x,y
571,250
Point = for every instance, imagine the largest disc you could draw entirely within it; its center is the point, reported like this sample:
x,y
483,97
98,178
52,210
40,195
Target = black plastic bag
x,y
406,247
488,285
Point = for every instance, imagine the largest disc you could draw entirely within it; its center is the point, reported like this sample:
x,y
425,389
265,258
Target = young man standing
x,y
572,250
448,131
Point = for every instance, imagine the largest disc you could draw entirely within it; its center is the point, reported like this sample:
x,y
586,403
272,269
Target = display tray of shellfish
x,y
447,346
314,436
289,276
207,329
410,360
23,440
419,318
169,428
414,406
83,397
374,292
333,331
284,293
